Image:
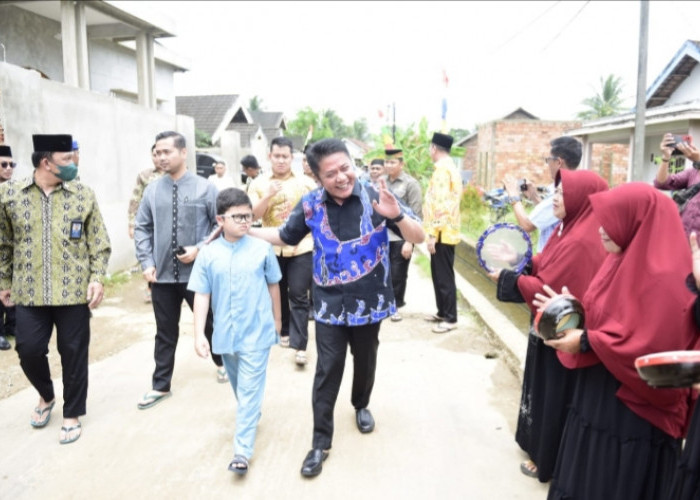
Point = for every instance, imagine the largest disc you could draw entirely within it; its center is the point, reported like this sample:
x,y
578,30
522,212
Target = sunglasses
x,y
7,164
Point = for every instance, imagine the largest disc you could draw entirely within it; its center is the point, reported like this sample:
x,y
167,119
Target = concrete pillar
x,y
587,153
630,156
145,70
81,42
69,43
76,71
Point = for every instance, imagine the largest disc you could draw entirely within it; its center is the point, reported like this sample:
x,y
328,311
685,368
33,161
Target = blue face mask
x,y
67,172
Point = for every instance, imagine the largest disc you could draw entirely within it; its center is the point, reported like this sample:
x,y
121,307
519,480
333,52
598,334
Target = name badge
x,y
76,229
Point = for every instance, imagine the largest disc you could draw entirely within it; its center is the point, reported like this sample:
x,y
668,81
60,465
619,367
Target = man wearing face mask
x,y
54,250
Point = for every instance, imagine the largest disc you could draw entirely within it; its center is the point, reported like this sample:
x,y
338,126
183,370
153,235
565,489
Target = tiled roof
x,y
674,74
268,119
207,110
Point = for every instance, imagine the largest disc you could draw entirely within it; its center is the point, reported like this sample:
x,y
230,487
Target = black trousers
x,y
72,339
7,320
399,271
167,303
442,264
294,298
331,346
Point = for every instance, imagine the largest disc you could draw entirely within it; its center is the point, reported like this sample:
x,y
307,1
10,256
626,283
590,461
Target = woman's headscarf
x,y
638,302
574,252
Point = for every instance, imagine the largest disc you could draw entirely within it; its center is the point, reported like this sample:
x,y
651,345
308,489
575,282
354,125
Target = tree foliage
x,y
255,103
326,123
606,102
414,141
202,139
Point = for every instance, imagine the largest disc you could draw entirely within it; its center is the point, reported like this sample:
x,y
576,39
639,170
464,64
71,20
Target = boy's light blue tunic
x,y
236,275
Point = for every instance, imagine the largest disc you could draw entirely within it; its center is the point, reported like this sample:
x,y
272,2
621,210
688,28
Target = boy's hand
x,y
278,326
201,346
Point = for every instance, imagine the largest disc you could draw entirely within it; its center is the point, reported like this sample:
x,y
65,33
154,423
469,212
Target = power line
x,y
526,27
565,26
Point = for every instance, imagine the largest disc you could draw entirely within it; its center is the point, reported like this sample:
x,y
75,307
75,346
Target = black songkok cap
x,y
442,140
60,143
377,161
5,151
393,153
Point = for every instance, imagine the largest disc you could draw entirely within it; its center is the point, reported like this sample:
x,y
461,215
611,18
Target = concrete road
x,y
445,408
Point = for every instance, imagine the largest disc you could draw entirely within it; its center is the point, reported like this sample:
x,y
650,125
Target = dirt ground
x,y
110,330
124,318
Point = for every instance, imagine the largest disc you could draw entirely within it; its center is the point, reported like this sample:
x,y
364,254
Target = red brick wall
x,y
610,161
518,147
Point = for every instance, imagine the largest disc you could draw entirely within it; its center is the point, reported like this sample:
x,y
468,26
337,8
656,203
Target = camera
x,y
677,139
180,250
522,184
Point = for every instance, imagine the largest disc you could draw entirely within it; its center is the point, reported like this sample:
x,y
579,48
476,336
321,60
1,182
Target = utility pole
x,y
641,107
393,123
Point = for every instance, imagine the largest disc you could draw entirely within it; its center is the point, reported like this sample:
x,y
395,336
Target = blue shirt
x,y
351,271
236,275
542,217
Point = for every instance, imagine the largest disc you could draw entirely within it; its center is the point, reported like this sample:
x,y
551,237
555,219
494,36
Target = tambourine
x,y
669,369
558,314
504,246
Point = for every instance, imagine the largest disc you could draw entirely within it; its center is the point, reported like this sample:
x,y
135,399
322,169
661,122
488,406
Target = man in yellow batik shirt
x,y
274,196
442,225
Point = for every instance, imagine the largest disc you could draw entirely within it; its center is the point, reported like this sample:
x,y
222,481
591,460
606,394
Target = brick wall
x,y
517,147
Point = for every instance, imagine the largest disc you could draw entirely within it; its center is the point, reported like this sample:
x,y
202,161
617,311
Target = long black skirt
x,y
686,482
607,451
544,404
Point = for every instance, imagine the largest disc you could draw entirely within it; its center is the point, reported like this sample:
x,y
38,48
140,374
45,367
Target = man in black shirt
x,y
352,290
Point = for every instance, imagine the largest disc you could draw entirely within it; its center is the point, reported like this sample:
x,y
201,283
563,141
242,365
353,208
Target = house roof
x,y
626,122
673,74
520,114
269,119
212,113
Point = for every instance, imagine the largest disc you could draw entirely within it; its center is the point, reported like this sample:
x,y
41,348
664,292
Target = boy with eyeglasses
x,y
239,275
7,314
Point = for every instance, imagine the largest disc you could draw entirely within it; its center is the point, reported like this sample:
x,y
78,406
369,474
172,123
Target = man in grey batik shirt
x,y
176,214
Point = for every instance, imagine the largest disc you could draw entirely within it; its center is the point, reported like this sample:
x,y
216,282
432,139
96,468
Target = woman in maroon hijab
x,y
572,256
622,438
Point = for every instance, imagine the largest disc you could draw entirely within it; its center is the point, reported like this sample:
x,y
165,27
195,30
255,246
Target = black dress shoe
x,y
364,419
4,344
313,463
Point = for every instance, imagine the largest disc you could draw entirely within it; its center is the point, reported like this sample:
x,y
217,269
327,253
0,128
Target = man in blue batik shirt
x,y
352,290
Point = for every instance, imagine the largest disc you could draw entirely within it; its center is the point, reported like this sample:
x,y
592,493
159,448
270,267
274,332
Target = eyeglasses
x,y
7,164
550,158
239,218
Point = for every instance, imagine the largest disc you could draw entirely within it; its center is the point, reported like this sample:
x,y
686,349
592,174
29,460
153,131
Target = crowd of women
x,y
587,420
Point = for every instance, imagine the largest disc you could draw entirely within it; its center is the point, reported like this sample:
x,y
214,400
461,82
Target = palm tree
x,y
607,102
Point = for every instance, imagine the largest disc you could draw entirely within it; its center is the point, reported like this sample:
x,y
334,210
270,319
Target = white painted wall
x,y
115,139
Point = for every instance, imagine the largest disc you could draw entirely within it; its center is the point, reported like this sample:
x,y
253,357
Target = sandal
x,y
239,465
152,399
68,430
300,358
528,468
444,327
221,376
396,317
38,424
284,341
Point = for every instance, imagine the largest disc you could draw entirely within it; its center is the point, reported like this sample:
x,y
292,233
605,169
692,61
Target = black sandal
x,y
239,465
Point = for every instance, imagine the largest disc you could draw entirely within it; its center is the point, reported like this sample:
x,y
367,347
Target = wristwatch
x,y
514,199
398,218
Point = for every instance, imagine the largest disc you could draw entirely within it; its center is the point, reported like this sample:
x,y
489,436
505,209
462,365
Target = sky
x,y
358,58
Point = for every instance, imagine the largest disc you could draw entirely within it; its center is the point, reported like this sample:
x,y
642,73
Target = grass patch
x,y
113,281
423,263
